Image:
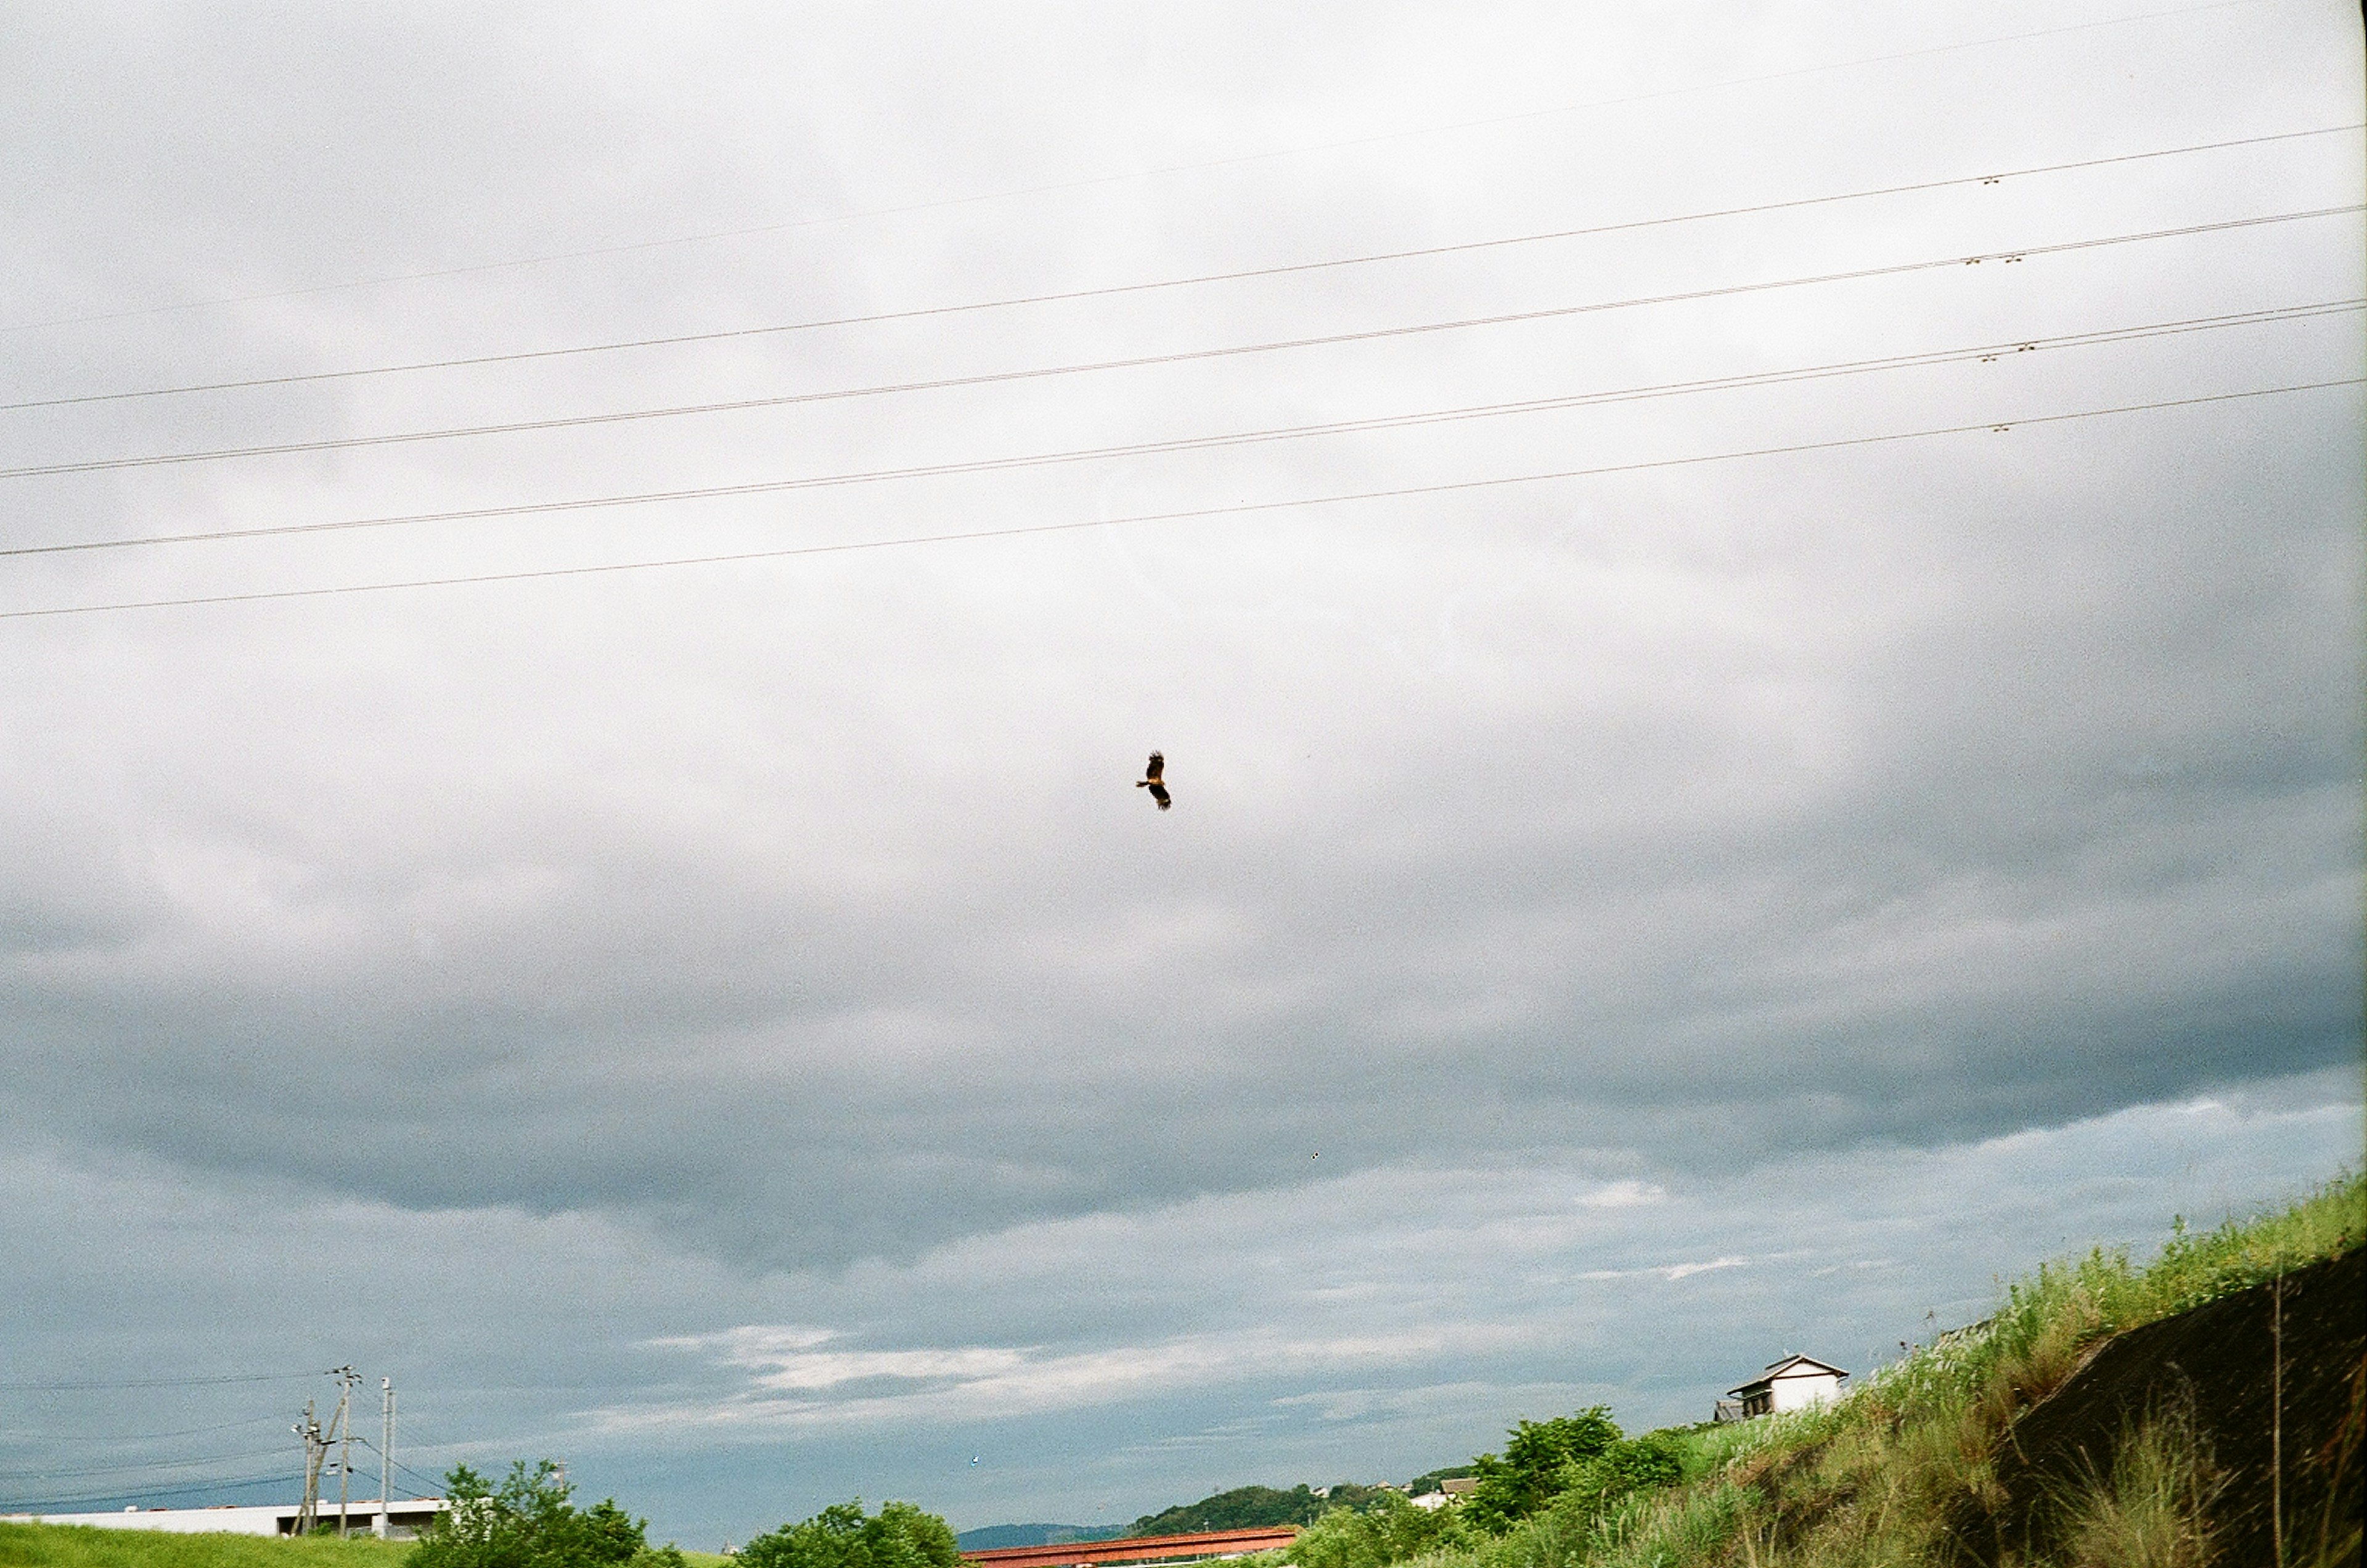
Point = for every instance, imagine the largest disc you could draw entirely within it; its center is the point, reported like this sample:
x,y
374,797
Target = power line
x,y
1111,290
424,1480
1202,443
347,442
144,1437
161,1382
1090,181
1242,508
140,1467
55,1505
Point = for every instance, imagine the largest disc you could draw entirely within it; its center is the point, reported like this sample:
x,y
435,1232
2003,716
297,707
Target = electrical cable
x,y
1242,508
424,1479
348,443
37,1474
918,313
161,1383
1090,181
1982,352
159,1436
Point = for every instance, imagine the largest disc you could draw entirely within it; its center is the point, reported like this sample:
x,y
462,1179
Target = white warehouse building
x,y
404,1519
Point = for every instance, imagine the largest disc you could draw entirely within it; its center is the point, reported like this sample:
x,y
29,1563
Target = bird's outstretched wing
x,y
1152,772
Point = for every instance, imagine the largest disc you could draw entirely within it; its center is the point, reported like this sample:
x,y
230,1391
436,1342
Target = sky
x,y
1754,611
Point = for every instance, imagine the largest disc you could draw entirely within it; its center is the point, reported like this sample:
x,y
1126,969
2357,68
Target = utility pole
x,y
316,1450
346,1377
385,1460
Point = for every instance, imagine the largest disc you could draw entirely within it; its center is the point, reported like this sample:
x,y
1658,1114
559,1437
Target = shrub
x,y
842,1535
1535,1466
1388,1529
528,1522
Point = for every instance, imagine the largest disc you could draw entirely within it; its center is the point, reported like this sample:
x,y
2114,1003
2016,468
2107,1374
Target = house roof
x,y
1789,1367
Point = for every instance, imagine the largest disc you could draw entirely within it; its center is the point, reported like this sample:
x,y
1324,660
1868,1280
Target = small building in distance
x,y
1792,1383
1453,1489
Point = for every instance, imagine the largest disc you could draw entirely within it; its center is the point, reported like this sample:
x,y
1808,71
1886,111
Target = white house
x,y
1792,1383
1453,1489
404,1521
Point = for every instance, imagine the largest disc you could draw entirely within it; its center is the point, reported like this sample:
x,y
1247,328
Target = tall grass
x,y
90,1546
2153,1509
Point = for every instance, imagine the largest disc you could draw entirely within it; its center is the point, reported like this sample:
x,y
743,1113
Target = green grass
x,y
89,1546
1875,1478
85,1546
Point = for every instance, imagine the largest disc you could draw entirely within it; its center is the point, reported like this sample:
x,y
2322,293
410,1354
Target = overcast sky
x,y
1661,875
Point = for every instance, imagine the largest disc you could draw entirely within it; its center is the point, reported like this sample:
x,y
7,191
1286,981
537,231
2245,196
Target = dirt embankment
x,y
2220,1364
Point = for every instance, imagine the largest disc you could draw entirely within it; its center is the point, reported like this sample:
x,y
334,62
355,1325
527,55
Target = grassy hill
x,y
2107,1414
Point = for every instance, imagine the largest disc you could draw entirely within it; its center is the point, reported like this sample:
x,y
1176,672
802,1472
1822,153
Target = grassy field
x,y
81,1546
85,1546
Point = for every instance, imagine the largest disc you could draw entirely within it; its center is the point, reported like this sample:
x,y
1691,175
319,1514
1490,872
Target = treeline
x,y
1254,1508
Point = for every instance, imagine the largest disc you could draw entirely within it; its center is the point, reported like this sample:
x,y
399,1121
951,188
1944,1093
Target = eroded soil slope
x,y
2219,1363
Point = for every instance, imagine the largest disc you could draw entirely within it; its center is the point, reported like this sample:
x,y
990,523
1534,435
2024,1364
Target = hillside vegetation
x,y
1254,1508
1906,1469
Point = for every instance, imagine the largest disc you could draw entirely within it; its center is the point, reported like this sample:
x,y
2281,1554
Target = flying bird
x,y
1154,768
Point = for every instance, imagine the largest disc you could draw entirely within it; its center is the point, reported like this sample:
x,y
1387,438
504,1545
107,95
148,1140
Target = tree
x,y
840,1536
1535,1466
528,1522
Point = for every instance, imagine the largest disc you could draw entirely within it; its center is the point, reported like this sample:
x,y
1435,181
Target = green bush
x,y
1627,1466
1535,1466
1387,1530
842,1535
528,1522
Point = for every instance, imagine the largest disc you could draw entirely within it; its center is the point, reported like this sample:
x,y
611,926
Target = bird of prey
x,y
1156,766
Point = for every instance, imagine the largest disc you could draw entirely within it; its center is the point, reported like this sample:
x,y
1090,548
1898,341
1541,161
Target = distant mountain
x,y
987,1538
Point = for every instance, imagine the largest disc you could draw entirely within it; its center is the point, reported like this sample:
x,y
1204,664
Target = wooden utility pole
x,y
308,1513
346,1377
